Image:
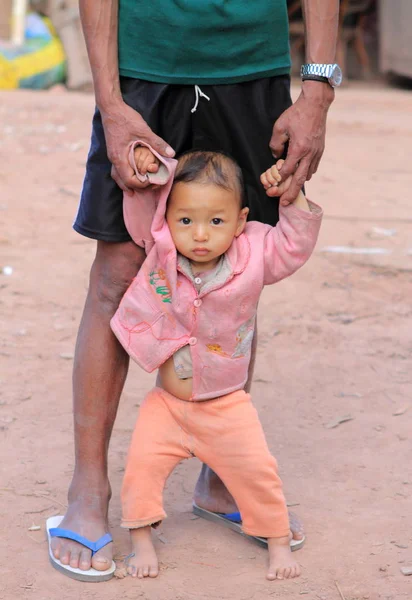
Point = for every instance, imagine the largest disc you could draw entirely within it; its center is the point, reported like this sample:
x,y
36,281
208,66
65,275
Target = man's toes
x,y
101,563
85,560
64,557
56,551
146,571
271,575
153,572
296,526
140,573
298,535
74,558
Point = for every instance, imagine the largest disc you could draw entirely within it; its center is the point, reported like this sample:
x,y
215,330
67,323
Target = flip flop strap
x,y
71,535
235,517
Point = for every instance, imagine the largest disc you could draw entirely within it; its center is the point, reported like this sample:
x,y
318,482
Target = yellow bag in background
x,y
8,76
39,63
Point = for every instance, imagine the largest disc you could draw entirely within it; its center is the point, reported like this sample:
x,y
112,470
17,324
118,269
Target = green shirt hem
x,y
187,80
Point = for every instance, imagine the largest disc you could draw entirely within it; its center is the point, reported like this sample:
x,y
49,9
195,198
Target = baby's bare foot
x,y
143,562
281,562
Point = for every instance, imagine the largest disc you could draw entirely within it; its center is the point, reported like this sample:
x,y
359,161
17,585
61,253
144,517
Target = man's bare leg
x,y
100,369
210,492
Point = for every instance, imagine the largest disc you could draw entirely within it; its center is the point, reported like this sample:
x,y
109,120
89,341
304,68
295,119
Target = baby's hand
x,y
272,180
146,161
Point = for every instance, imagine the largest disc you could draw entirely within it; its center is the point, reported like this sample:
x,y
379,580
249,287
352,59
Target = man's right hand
x,y
123,125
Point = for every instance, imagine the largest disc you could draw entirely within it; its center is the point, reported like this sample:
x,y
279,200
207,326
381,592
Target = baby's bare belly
x,y
169,381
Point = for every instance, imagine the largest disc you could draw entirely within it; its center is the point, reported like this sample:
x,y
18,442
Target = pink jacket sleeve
x,y
290,243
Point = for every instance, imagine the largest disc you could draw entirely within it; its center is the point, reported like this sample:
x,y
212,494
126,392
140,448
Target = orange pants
x,y
226,434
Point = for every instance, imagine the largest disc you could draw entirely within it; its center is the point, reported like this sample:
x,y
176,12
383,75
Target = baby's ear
x,y
242,221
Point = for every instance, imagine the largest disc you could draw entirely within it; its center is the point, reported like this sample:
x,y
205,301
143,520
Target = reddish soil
x,y
335,341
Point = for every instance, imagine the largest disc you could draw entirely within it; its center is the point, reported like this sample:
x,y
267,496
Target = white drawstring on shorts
x,y
198,94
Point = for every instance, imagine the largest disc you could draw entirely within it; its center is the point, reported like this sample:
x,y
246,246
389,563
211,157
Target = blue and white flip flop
x,y
53,530
234,521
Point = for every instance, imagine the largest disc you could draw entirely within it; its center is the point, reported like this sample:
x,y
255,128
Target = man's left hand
x,y
303,125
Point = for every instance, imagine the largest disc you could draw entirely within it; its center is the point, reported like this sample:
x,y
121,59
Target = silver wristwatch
x,y
331,74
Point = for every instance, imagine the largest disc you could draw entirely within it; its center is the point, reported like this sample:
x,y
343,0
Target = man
x,y
148,61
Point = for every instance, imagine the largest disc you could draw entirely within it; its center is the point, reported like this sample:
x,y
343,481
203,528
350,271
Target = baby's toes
x,y
131,570
274,572
286,572
295,571
153,572
145,571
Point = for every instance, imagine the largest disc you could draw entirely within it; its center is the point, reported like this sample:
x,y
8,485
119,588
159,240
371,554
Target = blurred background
x,y
41,43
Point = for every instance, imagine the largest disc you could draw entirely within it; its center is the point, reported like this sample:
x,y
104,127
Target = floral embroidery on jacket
x,y
158,279
216,349
244,338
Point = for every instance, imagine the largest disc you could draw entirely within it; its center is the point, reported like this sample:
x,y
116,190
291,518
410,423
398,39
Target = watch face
x,y
336,76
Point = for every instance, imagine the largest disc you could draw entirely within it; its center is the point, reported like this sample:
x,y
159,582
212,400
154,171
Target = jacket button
x,y
197,302
192,341
198,281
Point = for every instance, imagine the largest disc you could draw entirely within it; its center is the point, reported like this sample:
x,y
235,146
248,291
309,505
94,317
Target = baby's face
x,y
203,220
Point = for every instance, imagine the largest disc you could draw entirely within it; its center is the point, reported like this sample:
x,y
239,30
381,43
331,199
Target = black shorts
x,y
238,120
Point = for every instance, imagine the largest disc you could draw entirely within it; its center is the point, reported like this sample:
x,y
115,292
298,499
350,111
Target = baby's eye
x,y
217,221
185,221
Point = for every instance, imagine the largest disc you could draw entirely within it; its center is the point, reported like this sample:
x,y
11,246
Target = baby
x,y
190,313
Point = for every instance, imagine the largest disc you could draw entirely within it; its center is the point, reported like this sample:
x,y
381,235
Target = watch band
x,y
327,73
320,70
315,78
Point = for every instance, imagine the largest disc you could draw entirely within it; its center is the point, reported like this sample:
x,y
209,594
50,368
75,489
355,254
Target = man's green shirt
x,y
203,41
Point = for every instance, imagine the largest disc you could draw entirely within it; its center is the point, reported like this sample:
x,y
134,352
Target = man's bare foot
x,y
296,526
211,494
87,516
281,562
143,562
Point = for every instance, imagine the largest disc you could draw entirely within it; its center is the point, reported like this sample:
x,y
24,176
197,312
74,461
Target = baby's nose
x,y
200,234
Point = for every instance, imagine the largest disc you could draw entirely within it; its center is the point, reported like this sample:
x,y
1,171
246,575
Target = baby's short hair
x,y
216,168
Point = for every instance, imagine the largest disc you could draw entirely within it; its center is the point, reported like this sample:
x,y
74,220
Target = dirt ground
x,y
335,344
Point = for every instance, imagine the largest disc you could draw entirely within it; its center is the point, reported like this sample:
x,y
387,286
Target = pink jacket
x,y
162,311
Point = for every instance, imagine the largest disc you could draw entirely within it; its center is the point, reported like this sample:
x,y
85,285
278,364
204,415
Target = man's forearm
x,y
321,29
99,21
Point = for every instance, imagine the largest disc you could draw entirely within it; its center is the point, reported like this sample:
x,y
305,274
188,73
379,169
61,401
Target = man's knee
x,y
113,269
